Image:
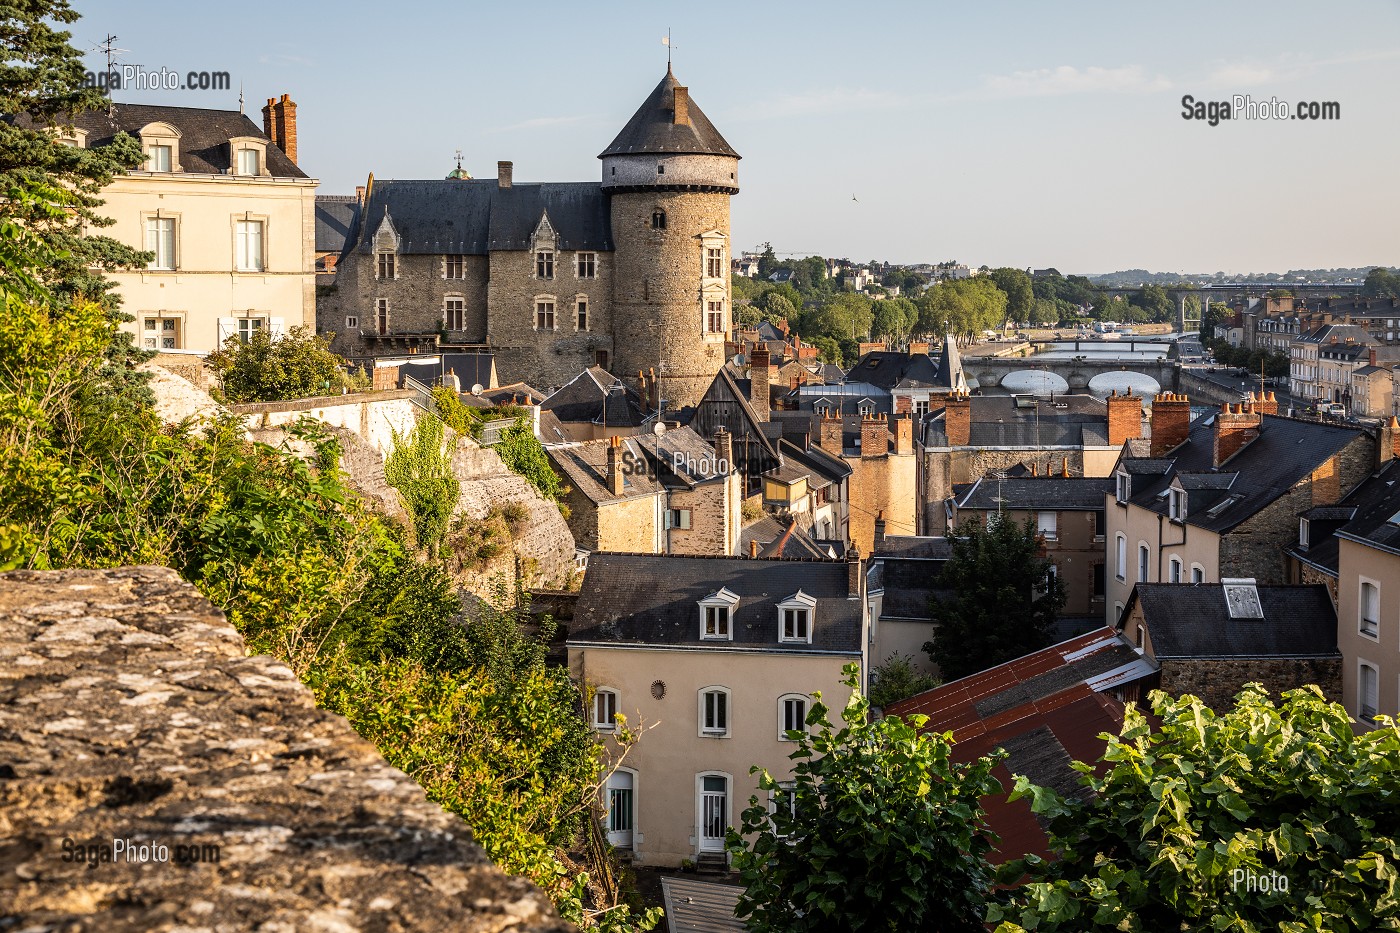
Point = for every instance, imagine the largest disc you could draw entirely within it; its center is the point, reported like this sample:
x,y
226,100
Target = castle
x,y
630,273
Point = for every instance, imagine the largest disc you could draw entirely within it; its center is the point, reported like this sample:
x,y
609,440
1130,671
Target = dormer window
x,y
717,615
1176,505
161,143
247,161
1124,488
247,155
158,159
795,618
544,264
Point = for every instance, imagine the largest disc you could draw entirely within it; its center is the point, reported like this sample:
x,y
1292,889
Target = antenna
x,y
459,158
240,98
666,41
108,47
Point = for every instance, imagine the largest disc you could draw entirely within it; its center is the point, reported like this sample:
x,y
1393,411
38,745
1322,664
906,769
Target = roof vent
x,y
1242,598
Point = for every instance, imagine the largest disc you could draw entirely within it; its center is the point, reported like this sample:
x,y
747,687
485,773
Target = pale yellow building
x,y
717,658
226,213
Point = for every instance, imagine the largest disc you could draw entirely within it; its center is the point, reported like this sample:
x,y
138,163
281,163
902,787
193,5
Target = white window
x,y
714,263
1144,561
714,317
248,326
386,266
605,709
678,518
1303,533
1122,555
544,314
1370,609
792,716
247,161
1367,692
1047,524
714,811
784,798
714,711
454,314
544,264
1139,638
248,256
158,158
717,614
161,333
1198,573
586,265
1176,505
1124,488
1175,565
455,267
160,239
795,618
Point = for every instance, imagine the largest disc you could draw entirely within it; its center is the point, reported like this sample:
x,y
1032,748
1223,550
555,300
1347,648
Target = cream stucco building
x,y
226,213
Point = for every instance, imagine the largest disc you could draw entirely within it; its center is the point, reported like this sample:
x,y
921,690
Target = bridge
x,y
1224,291
990,371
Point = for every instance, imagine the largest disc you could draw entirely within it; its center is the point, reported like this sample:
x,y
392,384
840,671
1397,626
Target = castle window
x,y
455,267
583,314
454,314
600,358
386,266
714,317
544,315
587,265
714,263
352,323
544,264
658,220
660,169
381,316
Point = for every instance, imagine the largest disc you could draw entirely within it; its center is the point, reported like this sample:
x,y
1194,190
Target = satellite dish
x,y
477,388
738,359
659,428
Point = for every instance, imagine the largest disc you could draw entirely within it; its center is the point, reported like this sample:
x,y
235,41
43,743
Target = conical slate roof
x,y
653,129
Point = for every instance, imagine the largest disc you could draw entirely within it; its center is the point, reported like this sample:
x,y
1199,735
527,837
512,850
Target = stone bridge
x,y
990,371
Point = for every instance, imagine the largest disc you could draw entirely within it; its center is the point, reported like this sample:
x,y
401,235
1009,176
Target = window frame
x,y
725,599
1174,568
586,265
678,520
1363,665
1123,488
581,314
386,266
152,162
454,262
1120,553
1144,562
159,222
545,317
798,602
381,316
1198,573
714,317
461,309
714,262
783,702
242,227
1054,530
1176,504
658,219
1374,632
544,264
724,708
598,694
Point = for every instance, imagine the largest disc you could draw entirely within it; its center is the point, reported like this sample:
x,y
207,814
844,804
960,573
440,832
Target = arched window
x,y
605,709
714,712
1121,552
1144,562
1175,570
658,219
792,715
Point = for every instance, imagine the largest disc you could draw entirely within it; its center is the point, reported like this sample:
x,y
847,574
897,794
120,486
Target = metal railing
x,y
422,395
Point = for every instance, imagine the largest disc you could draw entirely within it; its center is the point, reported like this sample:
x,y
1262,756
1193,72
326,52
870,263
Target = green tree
x,y
1007,598
522,453
1215,314
1020,298
1156,304
893,318
896,680
261,369
878,830
962,306
767,261
1382,283
1190,806
828,350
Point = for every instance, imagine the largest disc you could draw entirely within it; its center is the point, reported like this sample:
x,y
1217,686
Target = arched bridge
x,y
990,371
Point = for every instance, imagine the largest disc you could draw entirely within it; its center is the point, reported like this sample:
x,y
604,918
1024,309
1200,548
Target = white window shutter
x,y
279,327
228,326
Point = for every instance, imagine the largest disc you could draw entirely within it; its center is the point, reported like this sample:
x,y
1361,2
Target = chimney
x,y
1171,421
1389,446
872,346
1372,354
829,435
957,419
681,107
1124,418
854,577
1235,426
504,173
270,114
753,548
760,375
879,531
918,347
1064,467
615,466
1266,403
904,435
653,389
280,124
874,436
1035,468
724,449
360,194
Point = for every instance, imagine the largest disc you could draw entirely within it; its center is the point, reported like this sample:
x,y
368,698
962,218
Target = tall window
x,y
1121,567
160,239
161,333
1367,692
1176,505
544,264
455,314
1198,575
586,265
658,220
455,267
605,709
1144,559
386,265
158,158
249,243
1123,487
583,314
544,315
1175,566
1370,610
247,161
714,317
1098,581
714,263
381,316
1047,524
714,711
796,625
716,622
792,716
678,518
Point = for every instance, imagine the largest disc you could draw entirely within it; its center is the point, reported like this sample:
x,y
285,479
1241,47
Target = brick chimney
x,y
653,389
855,579
918,347
753,548
1389,446
1235,426
904,434
1266,403
879,531
1124,418
681,107
360,194
724,449
280,124
957,419
1170,420
760,376
505,172
614,478
874,436
829,435
872,346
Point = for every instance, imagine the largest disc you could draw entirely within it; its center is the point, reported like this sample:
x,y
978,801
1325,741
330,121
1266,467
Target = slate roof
x,y
598,397
910,586
653,599
1066,493
335,221
586,466
476,216
653,129
204,134
793,544
1285,451
928,548
1193,621
1023,421
1377,502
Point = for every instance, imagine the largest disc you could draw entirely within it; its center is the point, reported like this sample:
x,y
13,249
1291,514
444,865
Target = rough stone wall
x,y
545,358
177,397
944,467
658,280
128,711
1216,681
709,531
191,368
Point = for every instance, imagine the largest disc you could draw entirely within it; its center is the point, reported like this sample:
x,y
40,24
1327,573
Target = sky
x,y
1017,134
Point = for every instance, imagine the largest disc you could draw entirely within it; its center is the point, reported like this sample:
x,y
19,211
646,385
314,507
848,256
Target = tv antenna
x,y
108,47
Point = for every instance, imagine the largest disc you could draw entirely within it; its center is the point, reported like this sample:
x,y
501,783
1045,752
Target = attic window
x,y
1242,598
1394,519
1303,531
1176,505
795,618
1222,505
717,615
1125,487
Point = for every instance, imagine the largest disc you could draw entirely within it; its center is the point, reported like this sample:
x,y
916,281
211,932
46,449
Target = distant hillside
x,y
1132,277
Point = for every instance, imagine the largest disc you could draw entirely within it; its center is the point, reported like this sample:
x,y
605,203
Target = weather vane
x,y
666,41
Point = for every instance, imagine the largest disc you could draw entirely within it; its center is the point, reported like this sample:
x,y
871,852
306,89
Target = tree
x,y
261,369
1007,598
961,306
420,468
829,351
896,680
878,830
1155,303
767,261
1381,283
1020,297
1215,314
893,318
1263,818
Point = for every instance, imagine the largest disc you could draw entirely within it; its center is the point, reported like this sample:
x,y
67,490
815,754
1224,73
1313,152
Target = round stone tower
x,y
669,175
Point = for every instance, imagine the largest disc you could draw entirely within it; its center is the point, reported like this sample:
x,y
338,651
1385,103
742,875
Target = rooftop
x,y
653,128
1195,620
1066,493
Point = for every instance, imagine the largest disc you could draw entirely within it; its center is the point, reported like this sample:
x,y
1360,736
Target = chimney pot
x,y
753,548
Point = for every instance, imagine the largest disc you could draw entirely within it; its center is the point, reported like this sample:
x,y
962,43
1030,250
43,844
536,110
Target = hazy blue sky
x,y
1023,134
